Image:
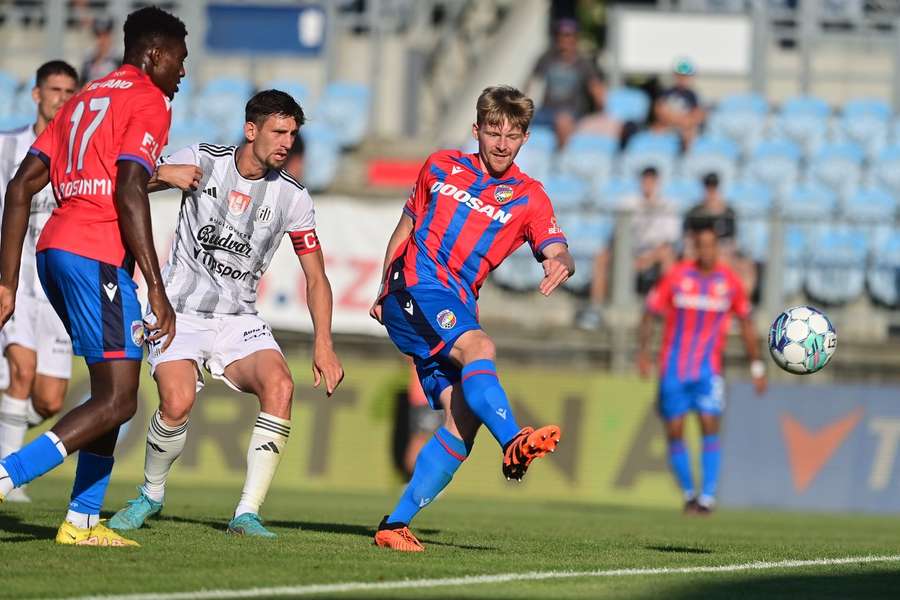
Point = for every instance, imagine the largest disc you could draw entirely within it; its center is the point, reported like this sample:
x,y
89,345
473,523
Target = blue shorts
x,y
425,323
677,398
97,304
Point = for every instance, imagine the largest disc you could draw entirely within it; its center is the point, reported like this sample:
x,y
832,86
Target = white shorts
x,y
36,326
213,343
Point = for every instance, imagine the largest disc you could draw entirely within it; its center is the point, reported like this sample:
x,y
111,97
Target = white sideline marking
x,y
363,586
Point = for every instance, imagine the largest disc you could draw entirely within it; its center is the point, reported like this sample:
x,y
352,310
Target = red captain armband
x,y
304,241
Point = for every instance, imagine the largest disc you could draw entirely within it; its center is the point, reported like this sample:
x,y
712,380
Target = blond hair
x,y
500,103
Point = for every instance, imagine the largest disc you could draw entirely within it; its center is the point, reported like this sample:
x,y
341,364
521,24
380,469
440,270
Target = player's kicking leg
x,y
487,399
266,375
436,464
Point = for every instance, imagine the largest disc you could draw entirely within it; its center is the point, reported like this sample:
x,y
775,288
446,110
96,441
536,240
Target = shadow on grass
x,y
679,549
21,530
871,586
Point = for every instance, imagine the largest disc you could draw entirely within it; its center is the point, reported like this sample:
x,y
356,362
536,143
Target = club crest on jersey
x,y
137,333
264,214
502,194
446,319
238,203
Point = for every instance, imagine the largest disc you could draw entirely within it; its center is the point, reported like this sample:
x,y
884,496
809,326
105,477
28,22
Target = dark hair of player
x,y
649,172
698,225
268,103
501,103
54,67
147,26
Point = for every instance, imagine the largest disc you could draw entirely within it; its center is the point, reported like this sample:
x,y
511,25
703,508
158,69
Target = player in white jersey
x,y
228,231
34,340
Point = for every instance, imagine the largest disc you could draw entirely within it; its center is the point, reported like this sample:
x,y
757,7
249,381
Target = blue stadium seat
x,y
838,166
324,148
870,205
741,118
23,103
536,156
647,149
837,269
610,194
711,155
684,193
796,239
222,101
886,169
588,156
775,163
188,132
183,104
567,193
748,102
803,119
809,202
883,275
345,106
866,122
297,90
627,104
587,234
15,121
520,272
749,198
753,238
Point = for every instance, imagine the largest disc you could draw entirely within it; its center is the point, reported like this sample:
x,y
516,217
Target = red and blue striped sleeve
x,y
542,228
147,130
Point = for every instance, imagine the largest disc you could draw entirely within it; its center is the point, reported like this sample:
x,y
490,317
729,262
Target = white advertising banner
x,y
353,234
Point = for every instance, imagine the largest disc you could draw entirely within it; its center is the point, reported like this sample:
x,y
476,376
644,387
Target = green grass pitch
x,y
326,538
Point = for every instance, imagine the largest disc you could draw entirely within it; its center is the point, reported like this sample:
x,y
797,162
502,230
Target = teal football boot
x,y
249,524
133,516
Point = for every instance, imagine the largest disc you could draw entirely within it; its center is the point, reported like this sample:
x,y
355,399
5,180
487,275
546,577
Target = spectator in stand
x,y
678,107
573,86
103,59
655,232
713,212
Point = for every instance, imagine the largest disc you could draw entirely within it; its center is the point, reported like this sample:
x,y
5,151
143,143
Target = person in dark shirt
x,y
573,86
713,212
678,107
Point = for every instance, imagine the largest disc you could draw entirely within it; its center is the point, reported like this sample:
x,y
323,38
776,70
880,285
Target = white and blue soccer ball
x,y
802,340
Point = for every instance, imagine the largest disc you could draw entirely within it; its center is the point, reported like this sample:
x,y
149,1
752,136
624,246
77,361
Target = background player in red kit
x,y
99,154
697,299
467,213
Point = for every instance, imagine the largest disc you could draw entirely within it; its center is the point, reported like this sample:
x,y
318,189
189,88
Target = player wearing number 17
x,y
98,153
467,213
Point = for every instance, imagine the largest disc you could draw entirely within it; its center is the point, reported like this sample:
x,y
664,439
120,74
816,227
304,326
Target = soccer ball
x,y
802,340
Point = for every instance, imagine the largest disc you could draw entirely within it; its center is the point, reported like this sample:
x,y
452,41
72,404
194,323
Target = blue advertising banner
x,y
280,29
819,447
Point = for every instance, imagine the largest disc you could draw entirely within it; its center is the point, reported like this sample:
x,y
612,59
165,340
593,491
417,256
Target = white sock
x,y
34,417
13,423
270,434
82,520
6,483
164,446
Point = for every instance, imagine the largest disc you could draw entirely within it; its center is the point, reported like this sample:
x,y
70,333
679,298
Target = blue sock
x,y
680,461
712,458
91,481
33,460
438,460
488,401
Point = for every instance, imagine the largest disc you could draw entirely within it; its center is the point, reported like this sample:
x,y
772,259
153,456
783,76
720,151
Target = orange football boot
x,y
528,445
397,536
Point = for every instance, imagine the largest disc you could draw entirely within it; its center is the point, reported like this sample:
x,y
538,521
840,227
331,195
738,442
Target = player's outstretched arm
x,y
401,233
31,178
757,367
133,207
319,299
558,267
183,177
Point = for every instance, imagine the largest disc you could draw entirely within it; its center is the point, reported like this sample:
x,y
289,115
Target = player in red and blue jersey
x,y
697,299
466,214
99,154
